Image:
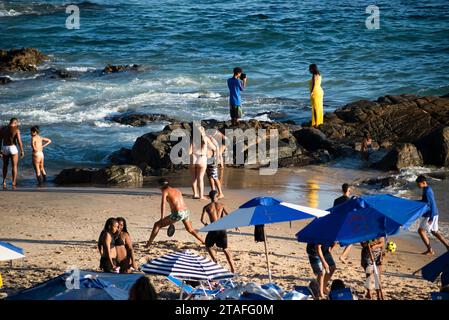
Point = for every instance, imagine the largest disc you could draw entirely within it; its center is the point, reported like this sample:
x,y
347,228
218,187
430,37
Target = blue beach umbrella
x,y
10,252
264,210
361,219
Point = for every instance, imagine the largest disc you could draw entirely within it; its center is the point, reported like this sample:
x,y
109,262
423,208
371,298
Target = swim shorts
x,y
236,112
9,150
179,215
424,224
316,264
219,238
212,171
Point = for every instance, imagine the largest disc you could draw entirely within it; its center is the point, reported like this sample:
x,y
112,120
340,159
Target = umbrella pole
x,y
182,289
380,294
266,254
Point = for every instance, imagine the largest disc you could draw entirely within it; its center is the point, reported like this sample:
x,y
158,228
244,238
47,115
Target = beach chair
x,y
439,296
305,290
343,294
191,291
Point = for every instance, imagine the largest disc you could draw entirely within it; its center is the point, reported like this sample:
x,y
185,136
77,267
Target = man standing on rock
x,y
429,220
9,140
179,212
236,84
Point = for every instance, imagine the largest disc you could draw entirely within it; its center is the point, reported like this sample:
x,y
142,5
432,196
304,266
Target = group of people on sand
x,y
115,245
372,253
12,147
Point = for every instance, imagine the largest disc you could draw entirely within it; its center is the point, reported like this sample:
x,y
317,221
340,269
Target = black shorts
x,y
236,112
105,264
219,238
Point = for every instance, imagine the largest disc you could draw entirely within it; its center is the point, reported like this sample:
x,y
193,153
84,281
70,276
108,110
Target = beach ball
x,y
391,246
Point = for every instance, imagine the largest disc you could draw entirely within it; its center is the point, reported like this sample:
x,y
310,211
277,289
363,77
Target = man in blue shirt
x,y
236,84
429,220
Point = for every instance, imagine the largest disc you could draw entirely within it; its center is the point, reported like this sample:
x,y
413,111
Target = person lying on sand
x,y
106,246
179,212
215,211
38,144
124,247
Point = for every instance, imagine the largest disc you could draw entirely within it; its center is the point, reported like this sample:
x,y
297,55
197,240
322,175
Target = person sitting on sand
x,y
377,251
215,211
124,246
322,264
9,140
429,220
367,146
106,246
346,190
142,289
179,212
38,144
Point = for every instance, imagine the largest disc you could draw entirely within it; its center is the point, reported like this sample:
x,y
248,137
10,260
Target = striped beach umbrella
x,y
186,266
10,252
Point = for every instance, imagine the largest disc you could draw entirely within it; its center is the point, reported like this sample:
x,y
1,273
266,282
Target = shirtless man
x,y
10,138
179,212
215,211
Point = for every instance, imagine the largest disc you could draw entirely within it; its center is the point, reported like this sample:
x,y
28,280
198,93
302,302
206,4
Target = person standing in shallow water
x,y
9,140
38,144
316,96
429,220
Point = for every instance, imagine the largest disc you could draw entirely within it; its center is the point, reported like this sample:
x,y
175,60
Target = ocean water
x,y
187,50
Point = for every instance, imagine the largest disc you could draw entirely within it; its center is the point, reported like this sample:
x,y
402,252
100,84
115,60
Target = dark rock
x,y
120,68
384,182
138,119
112,175
62,74
120,157
75,176
435,147
25,59
118,175
401,156
5,80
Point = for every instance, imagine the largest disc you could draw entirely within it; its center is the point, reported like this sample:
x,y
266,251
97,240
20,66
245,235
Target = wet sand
x,y
58,228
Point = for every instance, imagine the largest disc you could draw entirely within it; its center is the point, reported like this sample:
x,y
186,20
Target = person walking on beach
x,y
38,144
215,211
429,220
323,265
236,84
10,139
316,96
346,189
179,212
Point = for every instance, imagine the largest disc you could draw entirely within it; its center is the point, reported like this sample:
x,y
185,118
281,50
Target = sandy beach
x,y
58,228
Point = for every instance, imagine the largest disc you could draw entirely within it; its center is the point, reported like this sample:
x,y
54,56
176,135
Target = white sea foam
x,y
80,69
9,13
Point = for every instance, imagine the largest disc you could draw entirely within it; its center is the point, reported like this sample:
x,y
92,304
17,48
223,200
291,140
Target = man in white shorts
x,y
429,220
9,139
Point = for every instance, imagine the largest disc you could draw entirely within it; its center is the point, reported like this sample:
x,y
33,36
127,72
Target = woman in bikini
x,y
106,246
9,140
198,161
124,247
38,144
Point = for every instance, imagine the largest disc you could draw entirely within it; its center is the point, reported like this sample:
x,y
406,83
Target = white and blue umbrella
x,y
10,252
264,210
186,266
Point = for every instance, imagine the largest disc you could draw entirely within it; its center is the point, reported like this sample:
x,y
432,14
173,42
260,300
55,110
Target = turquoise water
x,y
188,49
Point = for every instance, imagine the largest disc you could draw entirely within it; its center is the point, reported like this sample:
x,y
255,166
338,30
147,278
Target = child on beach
x,y
212,168
322,264
38,144
374,247
179,212
367,146
215,211
429,220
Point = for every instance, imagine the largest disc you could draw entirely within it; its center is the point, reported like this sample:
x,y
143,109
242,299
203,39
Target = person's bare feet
x,y
195,197
4,185
343,260
203,199
14,187
428,252
220,196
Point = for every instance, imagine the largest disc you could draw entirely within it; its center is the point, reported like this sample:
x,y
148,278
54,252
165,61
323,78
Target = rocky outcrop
x,y
435,147
5,80
111,175
139,119
25,59
121,156
402,155
120,68
384,182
